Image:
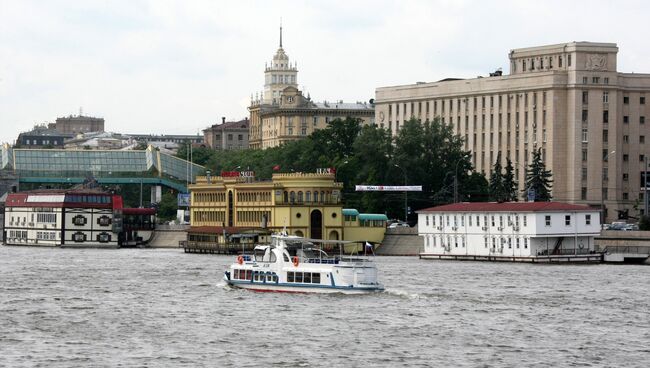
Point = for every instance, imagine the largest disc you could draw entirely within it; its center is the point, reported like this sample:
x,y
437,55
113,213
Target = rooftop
x,y
507,207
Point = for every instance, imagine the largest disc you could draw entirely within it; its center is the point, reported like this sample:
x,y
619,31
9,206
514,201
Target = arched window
x,y
286,197
299,197
307,197
315,196
292,196
322,196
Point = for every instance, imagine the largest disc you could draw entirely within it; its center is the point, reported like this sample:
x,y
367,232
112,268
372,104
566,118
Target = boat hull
x,y
315,289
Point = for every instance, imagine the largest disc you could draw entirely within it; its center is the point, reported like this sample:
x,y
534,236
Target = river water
x,y
162,307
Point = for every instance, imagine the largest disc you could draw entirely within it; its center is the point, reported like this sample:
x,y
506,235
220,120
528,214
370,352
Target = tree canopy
x,y
427,154
538,179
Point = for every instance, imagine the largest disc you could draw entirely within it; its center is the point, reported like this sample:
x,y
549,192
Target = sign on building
x,y
388,188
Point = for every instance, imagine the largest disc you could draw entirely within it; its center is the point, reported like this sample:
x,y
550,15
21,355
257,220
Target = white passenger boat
x,y
294,264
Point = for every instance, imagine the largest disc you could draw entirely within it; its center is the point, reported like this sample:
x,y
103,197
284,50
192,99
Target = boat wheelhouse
x,y
295,264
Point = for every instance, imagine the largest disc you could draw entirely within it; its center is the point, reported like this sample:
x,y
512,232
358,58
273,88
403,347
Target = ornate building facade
x,y
281,113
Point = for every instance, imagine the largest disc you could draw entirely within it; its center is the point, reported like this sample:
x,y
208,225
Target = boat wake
x,y
404,294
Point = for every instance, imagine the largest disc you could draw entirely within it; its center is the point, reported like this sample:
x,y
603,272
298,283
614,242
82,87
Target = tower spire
x,y
280,32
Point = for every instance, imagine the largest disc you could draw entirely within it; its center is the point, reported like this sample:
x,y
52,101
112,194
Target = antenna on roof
x,y
81,111
280,32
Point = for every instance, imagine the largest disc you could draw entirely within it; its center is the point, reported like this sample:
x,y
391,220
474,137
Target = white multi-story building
x,y
517,231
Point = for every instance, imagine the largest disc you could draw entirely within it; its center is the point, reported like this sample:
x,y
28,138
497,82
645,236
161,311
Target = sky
x,y
177,67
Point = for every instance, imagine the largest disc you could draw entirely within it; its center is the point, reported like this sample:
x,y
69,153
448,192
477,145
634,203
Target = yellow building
x,y
281,113
235,206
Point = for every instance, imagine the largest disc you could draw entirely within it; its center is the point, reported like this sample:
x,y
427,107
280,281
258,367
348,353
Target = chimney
x,y
223,120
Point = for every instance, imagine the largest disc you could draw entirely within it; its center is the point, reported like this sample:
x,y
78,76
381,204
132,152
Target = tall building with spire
x,y
280,113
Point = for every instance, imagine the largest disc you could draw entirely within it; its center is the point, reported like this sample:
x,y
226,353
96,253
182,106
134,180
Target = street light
x,y
406,209
602,191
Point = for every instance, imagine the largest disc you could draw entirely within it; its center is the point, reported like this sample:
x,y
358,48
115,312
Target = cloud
x,y
178,66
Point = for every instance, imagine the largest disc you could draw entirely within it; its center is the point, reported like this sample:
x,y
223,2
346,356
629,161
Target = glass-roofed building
x,y
107,167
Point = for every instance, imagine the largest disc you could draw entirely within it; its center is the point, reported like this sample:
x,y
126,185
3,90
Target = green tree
x,y
168,206
538,178
510,183
644,223
199,155
497,187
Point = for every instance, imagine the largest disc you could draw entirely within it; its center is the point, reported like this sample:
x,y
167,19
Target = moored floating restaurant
x,y
235,208
511,231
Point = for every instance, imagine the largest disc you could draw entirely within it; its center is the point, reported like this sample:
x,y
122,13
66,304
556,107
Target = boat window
x,y
286,257
298,277
315,278
307,277
290,276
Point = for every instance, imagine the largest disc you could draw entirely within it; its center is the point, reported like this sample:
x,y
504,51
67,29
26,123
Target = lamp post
x,y
602,192
406,209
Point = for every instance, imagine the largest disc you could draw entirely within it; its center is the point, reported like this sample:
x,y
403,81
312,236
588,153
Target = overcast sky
x,y
176,67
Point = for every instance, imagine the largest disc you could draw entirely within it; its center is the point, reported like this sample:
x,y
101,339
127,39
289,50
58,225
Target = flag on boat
x,y
276,168
368,245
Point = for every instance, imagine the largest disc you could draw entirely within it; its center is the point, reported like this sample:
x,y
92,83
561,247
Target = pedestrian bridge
x,y
58,166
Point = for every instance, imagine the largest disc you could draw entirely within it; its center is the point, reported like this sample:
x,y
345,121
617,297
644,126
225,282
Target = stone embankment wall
x,y
168,236
402,241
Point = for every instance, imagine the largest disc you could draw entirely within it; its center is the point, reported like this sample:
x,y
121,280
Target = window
x,y
584,80
585,115
240,137
584,173
426,220
605,116
626,119
104,220
584,154
642,100
104,237
605,97
525,243
585,97
79,220
587,219
605,135
606,80
626,100
584,135
626,157
642,139
547,219
567,220
79,237
595,80
626,196
230,137
583,193
626,176
641,119
626,139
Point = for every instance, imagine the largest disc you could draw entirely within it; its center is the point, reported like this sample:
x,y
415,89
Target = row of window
x,y
49,218
242,274
567,220
626,99
463,102
87,199
453,220
46,235
303,277
459,241
44,142
18,234
530,63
